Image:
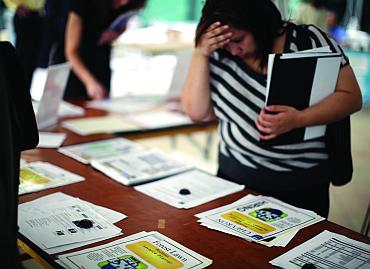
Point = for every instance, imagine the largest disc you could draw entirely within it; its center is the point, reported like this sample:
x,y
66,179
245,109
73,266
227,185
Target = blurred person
x,y
312,12
53,33
335,30
89,42
27,22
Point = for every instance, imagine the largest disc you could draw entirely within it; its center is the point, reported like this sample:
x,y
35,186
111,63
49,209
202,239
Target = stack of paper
x,y
39,176
327,250
100,149
189,189
52,222
146,250
140,167
260,219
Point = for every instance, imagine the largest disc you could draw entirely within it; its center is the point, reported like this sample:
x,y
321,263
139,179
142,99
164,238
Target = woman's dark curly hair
x,y
259,17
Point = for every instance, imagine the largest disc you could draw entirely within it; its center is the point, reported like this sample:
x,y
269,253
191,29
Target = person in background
x,y
53,33
312,12
28,21
88,45
335,30
227,78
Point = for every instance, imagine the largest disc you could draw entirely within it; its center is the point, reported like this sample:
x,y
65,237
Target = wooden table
x,y
145,213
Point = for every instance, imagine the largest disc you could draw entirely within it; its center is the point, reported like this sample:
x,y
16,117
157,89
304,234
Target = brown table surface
x,y
144,214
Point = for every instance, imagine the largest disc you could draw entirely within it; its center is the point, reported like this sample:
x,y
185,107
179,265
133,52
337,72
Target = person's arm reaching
x,y
95,90
196,97
345,100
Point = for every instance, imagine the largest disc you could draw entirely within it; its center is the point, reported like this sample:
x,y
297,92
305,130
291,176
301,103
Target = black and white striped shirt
x,y
238,94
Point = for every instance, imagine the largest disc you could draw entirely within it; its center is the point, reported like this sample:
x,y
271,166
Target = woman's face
x,y
241,43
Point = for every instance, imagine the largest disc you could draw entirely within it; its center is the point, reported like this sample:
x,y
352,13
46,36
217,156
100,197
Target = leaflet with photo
x,y
100,149
260,218
37,176
140,167
146,250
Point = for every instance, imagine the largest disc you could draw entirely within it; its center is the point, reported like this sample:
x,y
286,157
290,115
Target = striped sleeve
x,y
320,39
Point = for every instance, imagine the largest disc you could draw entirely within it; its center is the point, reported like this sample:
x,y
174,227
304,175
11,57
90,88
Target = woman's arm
x,y
345,100
95,89
196,97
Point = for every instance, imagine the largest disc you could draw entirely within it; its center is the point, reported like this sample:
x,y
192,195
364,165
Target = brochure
x,y
144,250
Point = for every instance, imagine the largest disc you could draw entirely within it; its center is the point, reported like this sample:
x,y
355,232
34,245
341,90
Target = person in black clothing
x,y
53,32
88,45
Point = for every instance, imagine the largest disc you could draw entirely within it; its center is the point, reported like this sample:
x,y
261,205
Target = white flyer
x,y
139,251
189,189
57,224
140,167
327,251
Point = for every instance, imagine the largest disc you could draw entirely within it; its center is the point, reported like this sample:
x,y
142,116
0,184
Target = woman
x,y
88,45
227,77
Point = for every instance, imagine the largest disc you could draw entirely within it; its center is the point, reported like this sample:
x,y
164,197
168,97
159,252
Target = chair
x,y
18,132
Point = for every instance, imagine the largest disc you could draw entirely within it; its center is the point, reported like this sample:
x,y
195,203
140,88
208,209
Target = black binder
x,y
293,81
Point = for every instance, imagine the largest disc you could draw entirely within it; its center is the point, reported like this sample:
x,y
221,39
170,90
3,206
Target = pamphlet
x,y
144,250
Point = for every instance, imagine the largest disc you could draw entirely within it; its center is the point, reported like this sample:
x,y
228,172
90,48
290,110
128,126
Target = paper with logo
x,y
139,251
39,176
259,219
100,149
139,167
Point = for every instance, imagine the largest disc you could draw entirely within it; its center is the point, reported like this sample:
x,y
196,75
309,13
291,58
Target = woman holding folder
x,y
89,40
227,78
